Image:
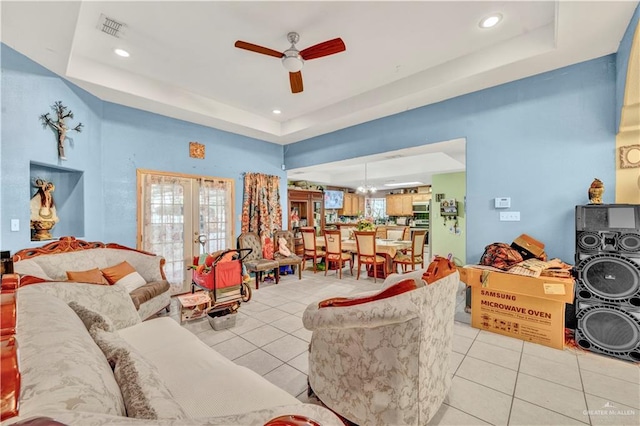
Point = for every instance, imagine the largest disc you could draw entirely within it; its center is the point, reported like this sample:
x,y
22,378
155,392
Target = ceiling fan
x,y
293,59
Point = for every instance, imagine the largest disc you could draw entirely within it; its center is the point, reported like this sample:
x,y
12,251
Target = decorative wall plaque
x,y
196,150
626,154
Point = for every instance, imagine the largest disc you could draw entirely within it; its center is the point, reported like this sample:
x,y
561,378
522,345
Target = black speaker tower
x,y
607,291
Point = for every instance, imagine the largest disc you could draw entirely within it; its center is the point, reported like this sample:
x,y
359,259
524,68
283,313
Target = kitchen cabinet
x,y
421,197
394,205
400,205
353,205
306,208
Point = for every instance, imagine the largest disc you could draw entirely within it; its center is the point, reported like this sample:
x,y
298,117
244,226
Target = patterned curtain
x,y
261,210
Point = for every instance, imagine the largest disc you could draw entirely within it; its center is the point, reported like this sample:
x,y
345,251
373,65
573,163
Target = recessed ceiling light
x,y
276,111
122,52
490,21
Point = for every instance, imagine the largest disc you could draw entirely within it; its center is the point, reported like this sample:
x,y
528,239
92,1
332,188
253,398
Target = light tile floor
x,y
496,379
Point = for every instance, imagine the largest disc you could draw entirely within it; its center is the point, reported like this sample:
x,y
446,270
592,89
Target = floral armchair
x,y
385,361
255,262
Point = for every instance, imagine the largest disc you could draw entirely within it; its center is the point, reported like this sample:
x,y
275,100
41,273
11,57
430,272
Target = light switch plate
x,y
15,225
509,216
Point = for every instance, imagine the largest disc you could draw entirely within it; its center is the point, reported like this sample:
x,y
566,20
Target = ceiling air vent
x,y
110,26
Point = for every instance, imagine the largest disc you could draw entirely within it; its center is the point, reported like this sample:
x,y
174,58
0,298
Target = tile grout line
x,y
515,385
468,414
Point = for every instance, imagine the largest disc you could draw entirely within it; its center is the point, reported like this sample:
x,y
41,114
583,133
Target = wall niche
x,y
68,197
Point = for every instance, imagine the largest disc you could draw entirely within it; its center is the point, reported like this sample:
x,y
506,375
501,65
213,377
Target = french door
x,y
182,216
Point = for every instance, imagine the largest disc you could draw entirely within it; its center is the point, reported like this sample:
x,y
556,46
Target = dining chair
x,y
398,232
334,253
366,250
310,249
414,256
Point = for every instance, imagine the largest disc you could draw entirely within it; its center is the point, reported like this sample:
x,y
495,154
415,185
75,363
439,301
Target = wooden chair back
x,y
398,233
417,242
332,242
309,240
365,243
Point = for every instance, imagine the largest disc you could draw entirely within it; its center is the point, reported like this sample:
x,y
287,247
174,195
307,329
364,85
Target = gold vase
x,y
595,191
42,230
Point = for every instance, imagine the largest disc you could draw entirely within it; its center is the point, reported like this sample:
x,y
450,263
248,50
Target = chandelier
x,y
366,189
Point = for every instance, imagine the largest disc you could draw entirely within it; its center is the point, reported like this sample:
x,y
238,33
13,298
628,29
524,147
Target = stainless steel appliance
x,y
421,207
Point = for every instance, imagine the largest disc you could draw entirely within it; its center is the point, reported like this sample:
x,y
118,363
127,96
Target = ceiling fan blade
x,y
295,78
325,48
258,49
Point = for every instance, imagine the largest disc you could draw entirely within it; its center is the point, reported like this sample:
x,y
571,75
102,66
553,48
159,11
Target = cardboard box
x,y
528,247
527,308
194,305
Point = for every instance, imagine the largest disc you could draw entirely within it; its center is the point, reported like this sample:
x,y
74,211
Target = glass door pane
x,y
215,203
166,224
317,216
175,211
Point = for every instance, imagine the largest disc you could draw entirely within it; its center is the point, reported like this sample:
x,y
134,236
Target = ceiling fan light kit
x,y
293,59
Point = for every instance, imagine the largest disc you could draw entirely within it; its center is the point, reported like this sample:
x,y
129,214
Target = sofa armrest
x,y
393,310
148,291
10,283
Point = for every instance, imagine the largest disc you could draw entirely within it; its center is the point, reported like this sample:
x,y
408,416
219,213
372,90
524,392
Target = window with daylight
x,y
376,208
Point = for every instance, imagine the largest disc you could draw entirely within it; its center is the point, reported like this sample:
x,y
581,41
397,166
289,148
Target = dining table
x,y
387,248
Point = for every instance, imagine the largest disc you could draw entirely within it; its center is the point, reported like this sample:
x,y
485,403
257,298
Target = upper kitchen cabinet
x,y
421,197
353,205
400,205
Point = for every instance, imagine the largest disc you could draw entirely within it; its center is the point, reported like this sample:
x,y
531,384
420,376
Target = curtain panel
x,y
261,210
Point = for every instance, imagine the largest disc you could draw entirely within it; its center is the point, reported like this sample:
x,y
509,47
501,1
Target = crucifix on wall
x,y
59,125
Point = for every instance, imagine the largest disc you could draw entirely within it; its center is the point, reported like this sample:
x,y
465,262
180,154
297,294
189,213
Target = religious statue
x,y
43,211
59,125
595,191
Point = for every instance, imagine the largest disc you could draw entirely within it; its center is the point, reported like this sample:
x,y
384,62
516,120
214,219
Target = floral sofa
x,y
51,262
382,358
86,358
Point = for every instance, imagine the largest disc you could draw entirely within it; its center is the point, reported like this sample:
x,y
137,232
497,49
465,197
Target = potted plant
x,y
365,225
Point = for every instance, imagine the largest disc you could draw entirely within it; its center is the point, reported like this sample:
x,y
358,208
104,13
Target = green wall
x,y
444,239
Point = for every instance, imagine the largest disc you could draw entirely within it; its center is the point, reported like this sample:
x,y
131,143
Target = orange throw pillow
x,y
124,274
92,276
267,248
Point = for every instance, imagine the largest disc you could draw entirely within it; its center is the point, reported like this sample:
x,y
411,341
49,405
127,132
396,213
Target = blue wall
x,y
622,63
28,91
541,141
114,142
135,139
